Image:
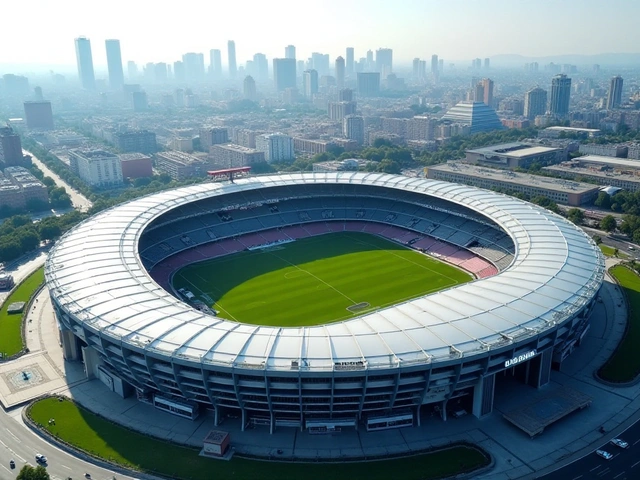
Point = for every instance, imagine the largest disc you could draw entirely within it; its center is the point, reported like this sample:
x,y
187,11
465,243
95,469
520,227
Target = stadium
x,y
323,300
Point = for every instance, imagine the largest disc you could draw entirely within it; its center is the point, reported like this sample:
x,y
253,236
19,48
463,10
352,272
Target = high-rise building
x,y
97,168
193,66
85,63
213,136
338,110
215,63
419,70
349,63
10,147
140,103
114,64
284,73
178,72
231,156
478,93
487,86
39,115
353,128
560,94
141,141
261,67
614,98
277,147
434,65
487,63
340,72
231,51
535,103
320,62
249,88
368,84
310,83
290,51
384,60
132,70
370,65
345,95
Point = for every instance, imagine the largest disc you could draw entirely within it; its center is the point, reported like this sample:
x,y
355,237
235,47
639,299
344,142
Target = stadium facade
x,y
383,369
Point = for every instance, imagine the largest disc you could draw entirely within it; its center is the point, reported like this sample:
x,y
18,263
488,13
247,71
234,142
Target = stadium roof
x,y
95,274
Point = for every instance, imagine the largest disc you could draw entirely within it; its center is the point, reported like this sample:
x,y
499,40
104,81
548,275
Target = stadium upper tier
x,y
101,288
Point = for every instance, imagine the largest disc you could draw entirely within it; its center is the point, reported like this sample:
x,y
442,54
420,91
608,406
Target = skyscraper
x,y
114,64
193,66
261,67
249,88
39,115
487,85
349,64
284,73
310,82
434,65
384,60
487,63
368,84
290,51
320,62
231,51
560,94
85,63
535,103
215,63
614,98
340,72
132,70
353,128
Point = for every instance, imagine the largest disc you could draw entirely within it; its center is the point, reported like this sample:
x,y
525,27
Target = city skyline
x,y
436,28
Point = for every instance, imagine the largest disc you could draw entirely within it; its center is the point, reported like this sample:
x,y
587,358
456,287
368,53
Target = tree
x,y
603,200
608,223
33,473
389,166
575,215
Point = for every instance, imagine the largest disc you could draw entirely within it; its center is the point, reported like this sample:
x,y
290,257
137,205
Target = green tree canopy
x,y
33,473
608,223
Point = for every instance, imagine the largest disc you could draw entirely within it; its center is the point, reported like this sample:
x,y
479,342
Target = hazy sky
x,y
42,31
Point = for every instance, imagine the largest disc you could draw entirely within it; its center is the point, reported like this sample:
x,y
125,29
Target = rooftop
x,y
515,149
614,161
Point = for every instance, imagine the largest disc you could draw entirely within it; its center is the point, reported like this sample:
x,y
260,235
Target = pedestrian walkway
x,y
516,455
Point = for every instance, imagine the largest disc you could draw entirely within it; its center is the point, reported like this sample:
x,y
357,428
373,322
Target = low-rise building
x,y
312,146
559,190
97,168
556,131
180,165
347,165
136,165
608,150
231,156
18,186
514,155
141,141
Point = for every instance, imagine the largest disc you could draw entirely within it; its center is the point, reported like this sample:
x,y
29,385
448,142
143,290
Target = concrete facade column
x,y
69,345
483,394
540,369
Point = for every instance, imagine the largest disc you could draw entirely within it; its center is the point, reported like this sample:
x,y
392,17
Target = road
x,y
78,200
625,464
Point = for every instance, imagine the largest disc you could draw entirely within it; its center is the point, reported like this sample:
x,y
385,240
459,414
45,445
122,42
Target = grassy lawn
x,y
93,434
314,280
11,325
610,251
624,364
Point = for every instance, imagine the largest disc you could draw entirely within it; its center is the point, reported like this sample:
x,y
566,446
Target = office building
x,y
37,93
339,110
560,95
384,60
132,70
421,128
10,147
535,103
136,165
290,51
249,88
345,95
114,64
353,128
349,61
614,97
84,60
213,136
38,115
284,73
139,100
231,156
215,63
260,67
487,88
97,168
514,155
231,52
180,165
605,150
368,84
320,62
310,83
434,65
560,191
141,141
193,67
477,115
340,72
276,147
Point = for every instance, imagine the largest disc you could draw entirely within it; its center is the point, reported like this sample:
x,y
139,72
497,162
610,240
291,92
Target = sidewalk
x,y
515,454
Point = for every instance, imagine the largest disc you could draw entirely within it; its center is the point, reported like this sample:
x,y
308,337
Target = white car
x,y
41,458
604,454
619,443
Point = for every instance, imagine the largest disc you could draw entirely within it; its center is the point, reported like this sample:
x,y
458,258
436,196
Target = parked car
x,y
604,454
619,443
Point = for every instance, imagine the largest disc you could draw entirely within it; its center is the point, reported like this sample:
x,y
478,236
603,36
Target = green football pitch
x,y
315,280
